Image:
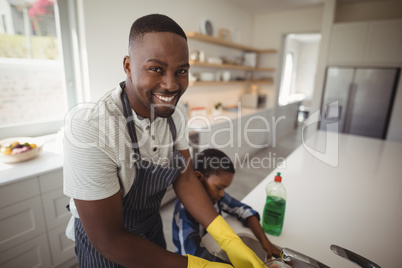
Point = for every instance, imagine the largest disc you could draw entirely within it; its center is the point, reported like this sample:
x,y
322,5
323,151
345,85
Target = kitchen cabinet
x,y
33,218
373,43
384,43
234,67
348,42
32,253
237,134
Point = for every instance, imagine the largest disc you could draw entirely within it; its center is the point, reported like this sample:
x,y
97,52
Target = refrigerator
x,y
358,100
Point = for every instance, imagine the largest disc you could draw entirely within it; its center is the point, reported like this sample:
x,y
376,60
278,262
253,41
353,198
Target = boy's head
x,y
215,171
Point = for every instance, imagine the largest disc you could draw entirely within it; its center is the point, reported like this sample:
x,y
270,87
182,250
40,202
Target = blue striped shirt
x,y
187,232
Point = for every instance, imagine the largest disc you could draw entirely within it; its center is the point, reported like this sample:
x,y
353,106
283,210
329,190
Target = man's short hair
x,y
153,23
213,162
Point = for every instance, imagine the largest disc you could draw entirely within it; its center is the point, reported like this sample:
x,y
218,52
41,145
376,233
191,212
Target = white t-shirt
x,y
98,158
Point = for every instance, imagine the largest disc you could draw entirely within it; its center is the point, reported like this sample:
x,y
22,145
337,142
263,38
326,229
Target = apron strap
x,y
128,114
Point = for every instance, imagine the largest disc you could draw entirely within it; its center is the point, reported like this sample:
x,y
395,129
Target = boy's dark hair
x,y
212,162
153,23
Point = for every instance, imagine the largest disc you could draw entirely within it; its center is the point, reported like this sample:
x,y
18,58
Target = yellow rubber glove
x,y
239,254
195,262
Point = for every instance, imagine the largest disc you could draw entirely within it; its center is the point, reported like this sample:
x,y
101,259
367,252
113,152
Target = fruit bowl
x,y
19,155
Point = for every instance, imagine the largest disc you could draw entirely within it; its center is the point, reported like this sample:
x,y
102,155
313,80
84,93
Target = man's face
x,y
215,185
157,69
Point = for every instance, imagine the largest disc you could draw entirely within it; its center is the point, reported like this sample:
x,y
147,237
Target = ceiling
x,y
268,6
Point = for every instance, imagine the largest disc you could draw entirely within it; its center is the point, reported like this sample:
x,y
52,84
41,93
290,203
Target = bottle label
x,y
274,214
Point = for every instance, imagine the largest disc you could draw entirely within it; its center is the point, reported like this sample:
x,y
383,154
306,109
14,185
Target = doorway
x,y
299,67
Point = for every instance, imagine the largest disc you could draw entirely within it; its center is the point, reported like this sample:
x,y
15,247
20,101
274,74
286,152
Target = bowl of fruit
x,y
20,149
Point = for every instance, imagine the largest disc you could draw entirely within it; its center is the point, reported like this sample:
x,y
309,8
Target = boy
x,y
215,170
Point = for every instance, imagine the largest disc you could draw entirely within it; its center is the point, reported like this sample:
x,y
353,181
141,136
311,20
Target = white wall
x,y
306,68
270,30
107,26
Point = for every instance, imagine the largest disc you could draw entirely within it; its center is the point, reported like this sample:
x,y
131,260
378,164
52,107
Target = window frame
x,y
287,83
72,44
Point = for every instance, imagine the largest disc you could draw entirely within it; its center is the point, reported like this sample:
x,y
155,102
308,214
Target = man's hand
x,y
195,262
239,254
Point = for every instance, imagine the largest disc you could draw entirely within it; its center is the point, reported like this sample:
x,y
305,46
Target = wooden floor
x,y
247,176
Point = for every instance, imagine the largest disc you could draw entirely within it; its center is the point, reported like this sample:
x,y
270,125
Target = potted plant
x,y
217,109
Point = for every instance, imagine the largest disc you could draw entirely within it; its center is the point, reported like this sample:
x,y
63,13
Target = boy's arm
x,y
187,231
254,224
251,219
237,209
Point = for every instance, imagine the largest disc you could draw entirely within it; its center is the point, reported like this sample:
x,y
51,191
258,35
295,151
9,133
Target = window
x,y
300,59
34,96
287,79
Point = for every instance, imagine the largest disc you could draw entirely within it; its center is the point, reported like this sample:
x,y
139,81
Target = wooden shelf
x,y
217,41
230,66
221,83
221,42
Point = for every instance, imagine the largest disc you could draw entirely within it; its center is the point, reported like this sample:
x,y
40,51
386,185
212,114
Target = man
x,y
122,154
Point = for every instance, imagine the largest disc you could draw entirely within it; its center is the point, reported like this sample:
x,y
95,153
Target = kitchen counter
x,y
33,210
49,159
344,190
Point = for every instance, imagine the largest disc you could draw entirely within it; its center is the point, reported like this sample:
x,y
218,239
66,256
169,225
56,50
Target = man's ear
x,y
199,175
127,66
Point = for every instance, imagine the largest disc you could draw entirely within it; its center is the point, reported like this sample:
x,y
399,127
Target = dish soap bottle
x,y
274,210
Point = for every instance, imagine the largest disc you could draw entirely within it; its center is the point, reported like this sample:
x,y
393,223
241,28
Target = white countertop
x,y
49,159
356,204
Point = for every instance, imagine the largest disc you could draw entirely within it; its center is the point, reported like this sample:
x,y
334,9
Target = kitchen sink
x,y
299,260
210,244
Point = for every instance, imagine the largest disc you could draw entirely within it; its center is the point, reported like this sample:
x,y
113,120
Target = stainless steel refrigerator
x,y
358,100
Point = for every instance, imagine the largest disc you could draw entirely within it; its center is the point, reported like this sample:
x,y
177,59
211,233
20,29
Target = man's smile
x,y
165,99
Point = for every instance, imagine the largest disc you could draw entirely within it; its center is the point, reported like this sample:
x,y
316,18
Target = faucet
x,y
288,254
353,257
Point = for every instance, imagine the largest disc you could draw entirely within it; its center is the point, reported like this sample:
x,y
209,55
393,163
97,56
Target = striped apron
x,y
141,204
